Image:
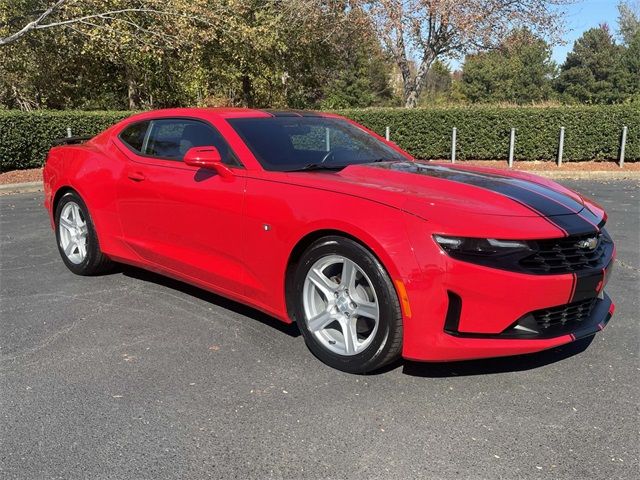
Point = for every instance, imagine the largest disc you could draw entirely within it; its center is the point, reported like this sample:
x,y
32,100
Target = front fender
x,y
278,216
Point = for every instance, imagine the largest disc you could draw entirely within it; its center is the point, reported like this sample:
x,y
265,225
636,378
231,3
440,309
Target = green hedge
x,y
591,132
26,137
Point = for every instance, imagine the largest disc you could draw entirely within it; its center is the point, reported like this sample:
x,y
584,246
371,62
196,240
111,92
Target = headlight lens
x,y
478,245
486,251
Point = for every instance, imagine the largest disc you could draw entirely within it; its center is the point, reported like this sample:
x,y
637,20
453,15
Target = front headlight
x,y
478,245
491,252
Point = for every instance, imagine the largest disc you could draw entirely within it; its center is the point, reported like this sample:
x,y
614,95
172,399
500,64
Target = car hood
x,y
421,187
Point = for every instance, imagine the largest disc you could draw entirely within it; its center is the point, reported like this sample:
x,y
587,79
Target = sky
x,y
583,15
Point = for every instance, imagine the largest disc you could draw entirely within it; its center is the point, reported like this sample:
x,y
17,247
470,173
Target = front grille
x,y
571,315
564,255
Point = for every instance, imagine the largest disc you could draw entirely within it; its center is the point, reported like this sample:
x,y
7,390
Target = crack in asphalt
x,y
627,266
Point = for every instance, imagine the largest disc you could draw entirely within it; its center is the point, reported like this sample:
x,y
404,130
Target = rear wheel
x,y
76,237
346,306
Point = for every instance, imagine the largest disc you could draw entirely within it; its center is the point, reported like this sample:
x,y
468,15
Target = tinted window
x,y
290,143
170,139
134,134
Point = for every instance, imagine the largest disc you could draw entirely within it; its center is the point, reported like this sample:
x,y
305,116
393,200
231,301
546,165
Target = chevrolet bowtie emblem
x,y
588,243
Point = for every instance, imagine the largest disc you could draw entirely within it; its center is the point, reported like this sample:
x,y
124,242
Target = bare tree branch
x,y
108,15
31,25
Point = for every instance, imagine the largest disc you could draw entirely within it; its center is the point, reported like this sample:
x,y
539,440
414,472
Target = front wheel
x,y
346,306
76,237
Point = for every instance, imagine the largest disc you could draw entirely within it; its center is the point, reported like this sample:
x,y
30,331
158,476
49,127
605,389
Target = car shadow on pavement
x,y
414,369
496,365
147,276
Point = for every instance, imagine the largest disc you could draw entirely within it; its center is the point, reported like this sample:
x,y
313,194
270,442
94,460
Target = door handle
x,y
136,176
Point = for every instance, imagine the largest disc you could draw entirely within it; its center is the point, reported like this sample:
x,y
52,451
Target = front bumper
x,y
453,346
464,311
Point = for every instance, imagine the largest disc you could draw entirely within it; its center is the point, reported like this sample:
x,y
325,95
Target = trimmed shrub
x,y
591,132
26,137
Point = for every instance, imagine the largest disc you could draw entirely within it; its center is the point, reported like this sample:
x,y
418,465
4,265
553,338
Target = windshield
x,y
296,143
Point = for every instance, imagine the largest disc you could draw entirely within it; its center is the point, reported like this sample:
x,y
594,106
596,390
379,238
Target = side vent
x,y
452,319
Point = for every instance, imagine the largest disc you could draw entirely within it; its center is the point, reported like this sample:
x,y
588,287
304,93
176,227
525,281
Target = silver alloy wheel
x,y
340,305
72,228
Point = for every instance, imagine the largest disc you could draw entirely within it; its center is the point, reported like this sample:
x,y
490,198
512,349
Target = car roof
x,y
225,112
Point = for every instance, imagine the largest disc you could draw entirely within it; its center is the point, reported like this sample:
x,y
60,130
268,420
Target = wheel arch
x,y
308,239
60,192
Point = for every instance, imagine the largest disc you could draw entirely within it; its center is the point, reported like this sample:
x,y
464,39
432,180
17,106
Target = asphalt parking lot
x,y
131,375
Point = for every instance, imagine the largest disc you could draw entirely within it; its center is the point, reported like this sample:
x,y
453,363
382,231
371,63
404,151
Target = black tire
x,y
387,342
95,261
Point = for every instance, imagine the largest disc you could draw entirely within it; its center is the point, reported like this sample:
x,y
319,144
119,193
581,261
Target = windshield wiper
x,y
317,166
322,166
378,160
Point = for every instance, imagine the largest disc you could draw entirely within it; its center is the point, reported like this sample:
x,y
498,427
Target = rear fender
x,y
91,174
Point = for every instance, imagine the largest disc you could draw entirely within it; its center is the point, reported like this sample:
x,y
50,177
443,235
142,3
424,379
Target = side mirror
x,y
207,157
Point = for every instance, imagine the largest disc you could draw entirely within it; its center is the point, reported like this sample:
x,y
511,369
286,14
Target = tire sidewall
x,y
387,303
86,266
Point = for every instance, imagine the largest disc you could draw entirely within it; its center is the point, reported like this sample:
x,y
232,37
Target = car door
x,y
182,218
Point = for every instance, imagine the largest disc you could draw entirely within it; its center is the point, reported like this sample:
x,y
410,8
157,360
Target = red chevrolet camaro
x,y
314,219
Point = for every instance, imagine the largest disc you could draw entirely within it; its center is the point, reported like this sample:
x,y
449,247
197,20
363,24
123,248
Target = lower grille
x,y
580,319
571,315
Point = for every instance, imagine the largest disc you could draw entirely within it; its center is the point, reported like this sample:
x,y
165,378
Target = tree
x,y
275,53
360,76
629,20
631,68
84,44
519,71
438,84
593,72
262,53
433,29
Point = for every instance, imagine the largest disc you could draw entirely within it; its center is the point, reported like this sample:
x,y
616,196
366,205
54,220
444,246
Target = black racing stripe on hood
x,y
590,216
559,209
573,224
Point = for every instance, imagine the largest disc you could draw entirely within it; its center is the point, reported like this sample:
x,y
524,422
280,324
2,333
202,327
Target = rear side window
x,y
134,134
171,138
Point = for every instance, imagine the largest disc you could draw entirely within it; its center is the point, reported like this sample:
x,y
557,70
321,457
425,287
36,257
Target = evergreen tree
x,y
438,85
519,71
593,71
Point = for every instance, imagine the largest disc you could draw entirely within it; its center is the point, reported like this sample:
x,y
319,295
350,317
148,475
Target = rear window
x,y
134,134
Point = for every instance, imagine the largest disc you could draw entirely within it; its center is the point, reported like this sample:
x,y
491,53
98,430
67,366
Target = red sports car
x,y
314,219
